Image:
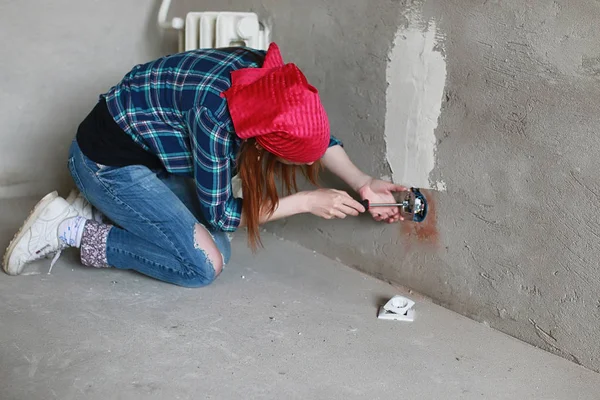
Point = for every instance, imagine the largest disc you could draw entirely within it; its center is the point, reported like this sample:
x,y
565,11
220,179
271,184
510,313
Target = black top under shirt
x,y
103,141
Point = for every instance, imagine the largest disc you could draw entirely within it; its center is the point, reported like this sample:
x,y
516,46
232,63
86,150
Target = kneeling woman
x,y
217,116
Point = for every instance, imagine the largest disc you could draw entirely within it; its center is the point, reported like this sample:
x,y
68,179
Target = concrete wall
x,y
518,151
56,58
513,240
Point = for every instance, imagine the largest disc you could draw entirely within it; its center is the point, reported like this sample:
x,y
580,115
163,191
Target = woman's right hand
x,y
331,203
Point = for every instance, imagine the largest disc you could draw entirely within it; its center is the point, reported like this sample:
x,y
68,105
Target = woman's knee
x,y
205,243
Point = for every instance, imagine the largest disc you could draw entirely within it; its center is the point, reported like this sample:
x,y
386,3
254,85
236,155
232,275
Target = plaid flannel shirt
x,y
173,108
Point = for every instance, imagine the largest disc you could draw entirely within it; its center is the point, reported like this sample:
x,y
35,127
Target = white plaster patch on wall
x,y
416,76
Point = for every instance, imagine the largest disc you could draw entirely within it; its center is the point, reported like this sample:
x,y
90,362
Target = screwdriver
x,y
367,204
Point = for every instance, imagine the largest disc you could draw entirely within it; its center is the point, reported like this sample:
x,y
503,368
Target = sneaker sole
x,y
33,215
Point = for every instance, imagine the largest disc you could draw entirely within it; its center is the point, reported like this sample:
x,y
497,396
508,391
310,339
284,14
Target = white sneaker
x,y
80,204
38,236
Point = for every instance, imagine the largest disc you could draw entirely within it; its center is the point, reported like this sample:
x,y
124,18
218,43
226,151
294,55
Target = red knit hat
x,y
276,105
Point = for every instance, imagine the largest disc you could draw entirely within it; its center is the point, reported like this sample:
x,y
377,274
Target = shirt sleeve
x,y
211,146
333,141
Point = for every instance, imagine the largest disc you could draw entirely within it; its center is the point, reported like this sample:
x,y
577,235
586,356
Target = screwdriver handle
x,y
365,204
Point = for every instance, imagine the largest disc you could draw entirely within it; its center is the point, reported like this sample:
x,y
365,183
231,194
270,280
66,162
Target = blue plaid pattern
x,y
173,108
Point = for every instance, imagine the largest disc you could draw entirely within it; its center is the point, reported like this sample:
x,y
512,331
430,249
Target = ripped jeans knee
x,y
206,242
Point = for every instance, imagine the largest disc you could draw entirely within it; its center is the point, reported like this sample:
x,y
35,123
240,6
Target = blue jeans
x,y
155,216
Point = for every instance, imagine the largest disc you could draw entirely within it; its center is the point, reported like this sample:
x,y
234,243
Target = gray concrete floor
x,y
286,323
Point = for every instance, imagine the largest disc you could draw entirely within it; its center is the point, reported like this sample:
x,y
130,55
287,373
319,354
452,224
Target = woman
x,y
214,116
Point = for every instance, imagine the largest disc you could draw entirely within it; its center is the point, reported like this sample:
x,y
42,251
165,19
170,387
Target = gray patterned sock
x,y
93,244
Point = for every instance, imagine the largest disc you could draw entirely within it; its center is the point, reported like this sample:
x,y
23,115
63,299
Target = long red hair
x,y
258,169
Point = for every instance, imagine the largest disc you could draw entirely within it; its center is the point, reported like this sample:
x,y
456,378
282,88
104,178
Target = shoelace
x,y
55,258
67,239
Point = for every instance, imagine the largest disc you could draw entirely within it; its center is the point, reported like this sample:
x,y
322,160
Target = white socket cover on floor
x,y
398,308
206,30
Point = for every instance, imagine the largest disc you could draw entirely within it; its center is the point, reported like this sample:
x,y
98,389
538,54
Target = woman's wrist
x,y
302,201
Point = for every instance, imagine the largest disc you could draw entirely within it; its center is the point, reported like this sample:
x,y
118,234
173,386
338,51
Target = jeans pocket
x,y
96,168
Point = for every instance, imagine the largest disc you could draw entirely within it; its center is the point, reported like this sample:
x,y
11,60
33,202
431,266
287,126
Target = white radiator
x,y
202,30
224,29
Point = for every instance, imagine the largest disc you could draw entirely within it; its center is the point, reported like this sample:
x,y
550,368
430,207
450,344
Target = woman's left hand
x,y
378,191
